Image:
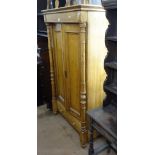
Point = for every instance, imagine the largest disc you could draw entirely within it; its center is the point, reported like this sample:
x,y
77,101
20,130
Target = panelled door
x,y
59,63
71,44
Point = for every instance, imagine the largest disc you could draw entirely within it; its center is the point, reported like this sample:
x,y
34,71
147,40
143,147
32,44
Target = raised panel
x,y
71,34
59,63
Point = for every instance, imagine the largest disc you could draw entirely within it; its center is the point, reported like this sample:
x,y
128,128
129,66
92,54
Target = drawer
x,y
66,17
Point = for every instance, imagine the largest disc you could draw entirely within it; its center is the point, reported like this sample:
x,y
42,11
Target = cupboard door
x,y
59,63
71,44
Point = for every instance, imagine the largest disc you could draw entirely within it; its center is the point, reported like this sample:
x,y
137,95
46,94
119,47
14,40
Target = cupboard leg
x,y
54,104
84,138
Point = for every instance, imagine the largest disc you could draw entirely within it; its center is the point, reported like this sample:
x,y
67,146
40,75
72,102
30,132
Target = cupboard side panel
x,y
95,58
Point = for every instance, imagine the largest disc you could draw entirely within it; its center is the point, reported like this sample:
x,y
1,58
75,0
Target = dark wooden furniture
x,y
43,68
39,88
104,119
43,76
110,63
41,27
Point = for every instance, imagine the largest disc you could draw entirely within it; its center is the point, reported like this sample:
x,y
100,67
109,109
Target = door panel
x,y
59,62
71,37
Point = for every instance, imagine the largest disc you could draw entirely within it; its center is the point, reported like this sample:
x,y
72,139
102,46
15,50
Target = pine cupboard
x,y
77,52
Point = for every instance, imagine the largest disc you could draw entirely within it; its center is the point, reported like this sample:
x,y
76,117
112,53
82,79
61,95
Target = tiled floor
x,y
56,136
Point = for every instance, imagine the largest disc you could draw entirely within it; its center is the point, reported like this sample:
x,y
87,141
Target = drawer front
x,y
67,17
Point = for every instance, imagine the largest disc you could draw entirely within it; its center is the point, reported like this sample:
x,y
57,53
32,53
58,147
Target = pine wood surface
x,y
77,52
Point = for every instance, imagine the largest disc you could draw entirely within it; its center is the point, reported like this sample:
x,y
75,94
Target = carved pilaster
x,y
83,95
50,45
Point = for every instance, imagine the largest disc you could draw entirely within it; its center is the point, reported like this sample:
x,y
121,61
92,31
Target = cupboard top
x,y
81,7
71,14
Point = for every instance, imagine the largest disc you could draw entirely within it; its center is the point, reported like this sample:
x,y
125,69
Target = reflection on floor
x,y
56,137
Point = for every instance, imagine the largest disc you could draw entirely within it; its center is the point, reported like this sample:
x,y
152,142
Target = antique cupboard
x,y
77,50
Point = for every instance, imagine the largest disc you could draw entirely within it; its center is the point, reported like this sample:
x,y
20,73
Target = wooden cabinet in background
x,y
77,51
43,67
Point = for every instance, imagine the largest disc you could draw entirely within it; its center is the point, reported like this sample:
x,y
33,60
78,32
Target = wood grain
x,y
77,58
71,37
59,60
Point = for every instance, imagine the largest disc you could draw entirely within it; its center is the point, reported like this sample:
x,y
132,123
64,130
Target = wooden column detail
x,y
48,4
84,1
51,56
83,95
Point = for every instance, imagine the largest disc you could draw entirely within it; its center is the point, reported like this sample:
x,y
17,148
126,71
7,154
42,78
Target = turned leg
x,y
91,143
84,137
